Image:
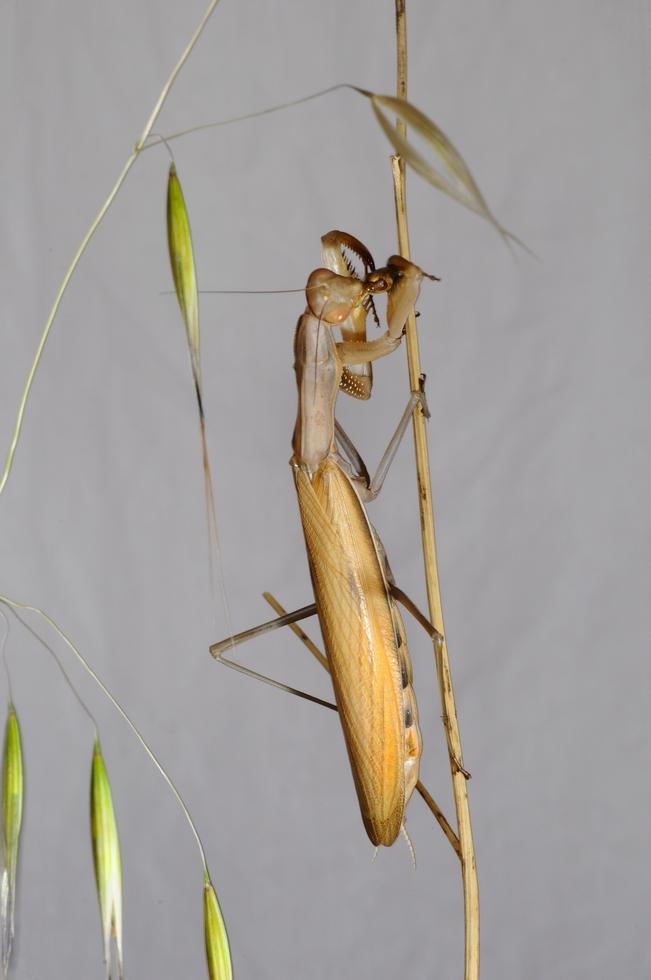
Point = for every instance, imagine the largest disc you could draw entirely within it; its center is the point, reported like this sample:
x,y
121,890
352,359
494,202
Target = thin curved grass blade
x,y
108,866
448,171
12,813
179,241
218,952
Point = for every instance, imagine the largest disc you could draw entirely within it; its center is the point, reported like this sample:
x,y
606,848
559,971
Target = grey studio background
x,y
538,385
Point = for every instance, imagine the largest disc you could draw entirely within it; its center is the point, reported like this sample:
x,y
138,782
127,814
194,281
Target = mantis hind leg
x,y
285,619
436,811
411,607
279,685
291,619
437,639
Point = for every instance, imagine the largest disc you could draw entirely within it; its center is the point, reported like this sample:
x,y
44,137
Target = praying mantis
x,y
356,598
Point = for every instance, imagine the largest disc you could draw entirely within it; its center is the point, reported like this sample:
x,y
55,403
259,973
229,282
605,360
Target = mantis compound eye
x,y
379,281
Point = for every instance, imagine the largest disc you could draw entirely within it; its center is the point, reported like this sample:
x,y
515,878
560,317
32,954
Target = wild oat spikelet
x,y
106,856
179,241
12,813
447,170
218,952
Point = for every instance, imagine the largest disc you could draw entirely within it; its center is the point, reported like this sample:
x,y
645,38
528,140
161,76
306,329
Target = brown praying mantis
x,y
355,596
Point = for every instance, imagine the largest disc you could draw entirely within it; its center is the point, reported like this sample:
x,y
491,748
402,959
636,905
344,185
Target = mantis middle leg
x,y
372,487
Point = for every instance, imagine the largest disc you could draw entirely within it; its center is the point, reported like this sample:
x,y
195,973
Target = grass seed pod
x,y
12,813
179,241
218,952
106,857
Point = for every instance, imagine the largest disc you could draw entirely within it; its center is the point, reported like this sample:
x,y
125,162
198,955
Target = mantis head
x,y
332,298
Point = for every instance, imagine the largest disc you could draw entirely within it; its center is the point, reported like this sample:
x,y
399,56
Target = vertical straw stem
x,y
459,787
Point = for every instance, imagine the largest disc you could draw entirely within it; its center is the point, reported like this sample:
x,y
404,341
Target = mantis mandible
x,y
354,592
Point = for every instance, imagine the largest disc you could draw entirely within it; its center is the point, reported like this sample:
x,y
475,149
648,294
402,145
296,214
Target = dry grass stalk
x,y
425,502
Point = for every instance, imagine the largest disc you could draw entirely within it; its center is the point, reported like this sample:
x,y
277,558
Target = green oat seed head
x,y
106,857
218,952
12,813
179,242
